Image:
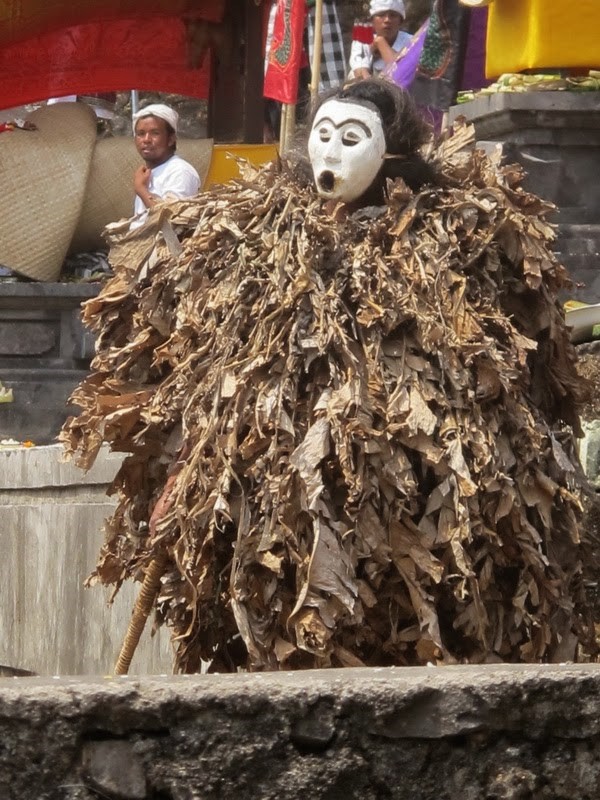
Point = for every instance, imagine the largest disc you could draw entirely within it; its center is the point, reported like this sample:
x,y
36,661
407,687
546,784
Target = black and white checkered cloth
x,y
333,61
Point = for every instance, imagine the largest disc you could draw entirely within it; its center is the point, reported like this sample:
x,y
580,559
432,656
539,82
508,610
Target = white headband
x,y
157,110
380,6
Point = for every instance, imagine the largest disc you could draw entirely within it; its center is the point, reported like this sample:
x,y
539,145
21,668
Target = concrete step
x,y
575,215
582,248
586,280
575,240
586,247
571,230
580,263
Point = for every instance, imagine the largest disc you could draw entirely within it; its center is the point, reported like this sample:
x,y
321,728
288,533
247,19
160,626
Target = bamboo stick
x,y
287,127
141,612
317,51
283,128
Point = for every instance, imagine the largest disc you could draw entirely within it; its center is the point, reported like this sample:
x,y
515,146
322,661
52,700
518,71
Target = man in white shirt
x,y
163,175
367,60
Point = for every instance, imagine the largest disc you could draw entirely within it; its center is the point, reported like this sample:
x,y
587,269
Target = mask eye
x,y
350,138
324,134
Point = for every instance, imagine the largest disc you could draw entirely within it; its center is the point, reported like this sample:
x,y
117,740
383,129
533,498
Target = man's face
x,y
346,148
153,141
387,24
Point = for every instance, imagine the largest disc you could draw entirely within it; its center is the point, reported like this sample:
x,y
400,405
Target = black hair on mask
x,y
404,129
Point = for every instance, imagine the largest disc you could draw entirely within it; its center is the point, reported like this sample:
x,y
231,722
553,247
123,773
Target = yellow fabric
x,y
530,34
223,166
21,19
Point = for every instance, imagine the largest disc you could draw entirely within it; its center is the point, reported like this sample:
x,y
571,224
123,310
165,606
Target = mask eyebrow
x,y
358,122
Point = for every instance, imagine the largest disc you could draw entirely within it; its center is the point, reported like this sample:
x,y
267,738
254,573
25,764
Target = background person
x,y
163,175
387,17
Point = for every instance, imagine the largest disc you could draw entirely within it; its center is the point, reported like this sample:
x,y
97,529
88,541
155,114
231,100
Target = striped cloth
x,y
333,61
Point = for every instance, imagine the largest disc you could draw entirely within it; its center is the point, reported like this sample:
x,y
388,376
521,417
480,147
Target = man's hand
x,y
362,74
141,181
383,48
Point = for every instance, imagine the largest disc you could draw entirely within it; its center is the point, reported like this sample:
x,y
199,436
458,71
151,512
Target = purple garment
x,y
473,76
404,68
447,54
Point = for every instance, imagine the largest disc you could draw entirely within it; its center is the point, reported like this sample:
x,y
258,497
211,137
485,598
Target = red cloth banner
x,y
22,19
149,53
284,57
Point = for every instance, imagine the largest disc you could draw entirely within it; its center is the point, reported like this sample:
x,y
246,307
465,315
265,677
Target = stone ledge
x,y
470,732
48,295
45,467
506,112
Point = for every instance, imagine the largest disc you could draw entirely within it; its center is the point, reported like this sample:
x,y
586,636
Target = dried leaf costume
x,y
347,433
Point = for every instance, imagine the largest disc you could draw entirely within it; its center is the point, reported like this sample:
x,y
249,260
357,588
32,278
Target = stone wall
x,y
44,354
475,733
51,532
556,138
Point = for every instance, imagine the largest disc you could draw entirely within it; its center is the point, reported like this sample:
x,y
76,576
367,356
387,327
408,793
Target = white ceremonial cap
x,y
379,6
159,110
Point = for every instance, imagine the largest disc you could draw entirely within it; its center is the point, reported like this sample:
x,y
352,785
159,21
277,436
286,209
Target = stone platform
x,y
474,733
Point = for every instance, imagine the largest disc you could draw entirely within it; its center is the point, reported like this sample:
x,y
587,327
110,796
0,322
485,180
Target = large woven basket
x,y
43,179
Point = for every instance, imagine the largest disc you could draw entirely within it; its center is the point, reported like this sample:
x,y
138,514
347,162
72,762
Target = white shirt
x,y
361,56
174,179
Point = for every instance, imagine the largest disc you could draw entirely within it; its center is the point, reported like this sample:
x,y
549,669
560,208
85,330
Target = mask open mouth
x,y
326,181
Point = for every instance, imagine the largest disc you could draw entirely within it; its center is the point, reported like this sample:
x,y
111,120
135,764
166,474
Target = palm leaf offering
x,y
349,436
520,82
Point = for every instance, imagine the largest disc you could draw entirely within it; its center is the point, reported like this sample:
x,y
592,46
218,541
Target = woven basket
x,y
43,175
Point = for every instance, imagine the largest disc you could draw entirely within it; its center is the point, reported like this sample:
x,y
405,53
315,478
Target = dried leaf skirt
x,y
351,437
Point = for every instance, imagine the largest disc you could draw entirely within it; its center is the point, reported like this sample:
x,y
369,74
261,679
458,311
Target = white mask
x,y
346,148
